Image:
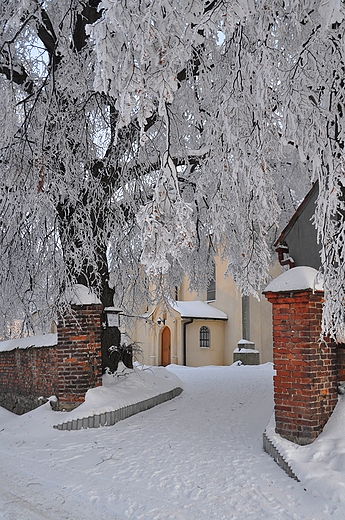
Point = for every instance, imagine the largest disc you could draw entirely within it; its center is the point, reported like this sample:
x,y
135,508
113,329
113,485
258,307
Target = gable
x,y
299,238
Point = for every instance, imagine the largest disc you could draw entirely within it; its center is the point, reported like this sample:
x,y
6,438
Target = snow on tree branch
x,y
166,222
161,133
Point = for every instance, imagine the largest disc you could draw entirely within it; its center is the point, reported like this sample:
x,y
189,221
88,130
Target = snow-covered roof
x,y
198,310
296,279
83,296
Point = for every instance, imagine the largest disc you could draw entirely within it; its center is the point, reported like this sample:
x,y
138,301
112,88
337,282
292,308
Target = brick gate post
x,y
305,384
79,356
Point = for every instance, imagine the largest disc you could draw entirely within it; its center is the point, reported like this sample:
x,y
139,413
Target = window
x,y
211,288
204,336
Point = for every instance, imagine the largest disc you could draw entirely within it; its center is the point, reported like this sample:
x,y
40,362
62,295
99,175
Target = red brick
x,y
305,390
66,370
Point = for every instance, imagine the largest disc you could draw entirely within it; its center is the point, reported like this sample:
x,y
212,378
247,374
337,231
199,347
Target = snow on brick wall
x,y
66,370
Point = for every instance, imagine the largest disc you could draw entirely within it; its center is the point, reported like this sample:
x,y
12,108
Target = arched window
x,y
204,336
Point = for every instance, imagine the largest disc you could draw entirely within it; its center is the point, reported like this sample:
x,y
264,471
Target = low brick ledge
x,y
110,418
270,448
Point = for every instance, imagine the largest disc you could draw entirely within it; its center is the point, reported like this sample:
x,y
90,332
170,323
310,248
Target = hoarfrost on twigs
x,y
161,133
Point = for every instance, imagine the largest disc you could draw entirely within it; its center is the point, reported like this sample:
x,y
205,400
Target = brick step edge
x,y
279,459
110,418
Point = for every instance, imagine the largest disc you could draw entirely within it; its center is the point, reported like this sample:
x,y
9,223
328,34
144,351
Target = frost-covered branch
x,y
158,133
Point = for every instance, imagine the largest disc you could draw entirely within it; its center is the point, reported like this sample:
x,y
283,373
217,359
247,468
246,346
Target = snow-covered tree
x,y
69,189
151,134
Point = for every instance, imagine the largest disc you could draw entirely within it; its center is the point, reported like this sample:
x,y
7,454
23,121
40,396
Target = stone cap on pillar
x,y
301,278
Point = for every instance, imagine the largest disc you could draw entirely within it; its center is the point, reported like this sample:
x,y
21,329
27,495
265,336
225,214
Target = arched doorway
x,y
166,347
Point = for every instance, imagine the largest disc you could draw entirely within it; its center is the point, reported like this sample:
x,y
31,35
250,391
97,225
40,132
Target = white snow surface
x,y
320,465
43,340
83,296
198,309
124,388
295,279
196,457
245,342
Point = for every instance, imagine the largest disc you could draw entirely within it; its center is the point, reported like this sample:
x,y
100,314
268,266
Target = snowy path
x,y
198,457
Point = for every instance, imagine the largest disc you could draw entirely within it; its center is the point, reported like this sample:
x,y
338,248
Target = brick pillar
x,y
305,384
79,355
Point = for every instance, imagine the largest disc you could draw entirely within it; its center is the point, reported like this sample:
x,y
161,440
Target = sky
x,y
196,457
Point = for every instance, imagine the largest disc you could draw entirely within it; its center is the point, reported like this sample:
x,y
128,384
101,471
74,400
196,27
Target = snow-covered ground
x,y
197,457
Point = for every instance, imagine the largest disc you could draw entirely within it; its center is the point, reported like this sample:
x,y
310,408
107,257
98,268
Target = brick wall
x,y
341,362
25,376
305,384
66,370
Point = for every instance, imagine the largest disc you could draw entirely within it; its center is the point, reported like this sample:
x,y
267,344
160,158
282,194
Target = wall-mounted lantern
x,y
112,315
